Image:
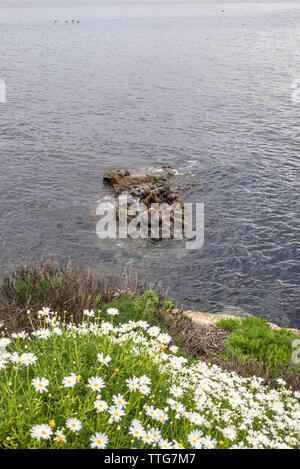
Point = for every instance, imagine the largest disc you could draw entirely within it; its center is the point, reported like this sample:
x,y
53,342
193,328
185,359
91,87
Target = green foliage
x,y
168,305
135,309
253,337
34,291
229,324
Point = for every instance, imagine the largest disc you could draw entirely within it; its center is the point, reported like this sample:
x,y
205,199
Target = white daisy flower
x,y
119,400
143,324
161,416
74,424
96,383
44,312
99,441
164,338
136,429
147,437
69,381
173,349
229,433
177,445
112,311
155,434
100,405
40,384
132,384
43,333
153,331
41,432
194,438
207,442
60,437
28,359
16,357
145,390
90,314
106,326
19,335
102,359
4,341
165,444
116,413
176,391
144,380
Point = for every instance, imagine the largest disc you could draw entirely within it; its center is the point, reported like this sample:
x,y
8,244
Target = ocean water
x,y
129,84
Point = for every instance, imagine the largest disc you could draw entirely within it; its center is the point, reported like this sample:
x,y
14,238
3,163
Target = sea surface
x,y
135,83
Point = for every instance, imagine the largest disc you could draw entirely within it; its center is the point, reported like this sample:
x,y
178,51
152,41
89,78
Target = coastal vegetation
x,y
128,371
251,336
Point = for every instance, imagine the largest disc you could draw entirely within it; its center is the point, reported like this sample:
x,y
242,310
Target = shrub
x,y
62,287
253,337
229,324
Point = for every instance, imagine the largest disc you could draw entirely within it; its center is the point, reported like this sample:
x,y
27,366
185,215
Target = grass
x,y
168,401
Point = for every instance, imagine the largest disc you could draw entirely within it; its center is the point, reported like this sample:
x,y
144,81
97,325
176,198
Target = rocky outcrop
x,y
211,319
149,185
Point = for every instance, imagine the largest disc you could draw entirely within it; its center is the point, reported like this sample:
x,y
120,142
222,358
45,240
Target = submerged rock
x,y
148,185
139,180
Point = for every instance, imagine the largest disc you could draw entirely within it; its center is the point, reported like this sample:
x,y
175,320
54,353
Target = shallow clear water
x,y
137,84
